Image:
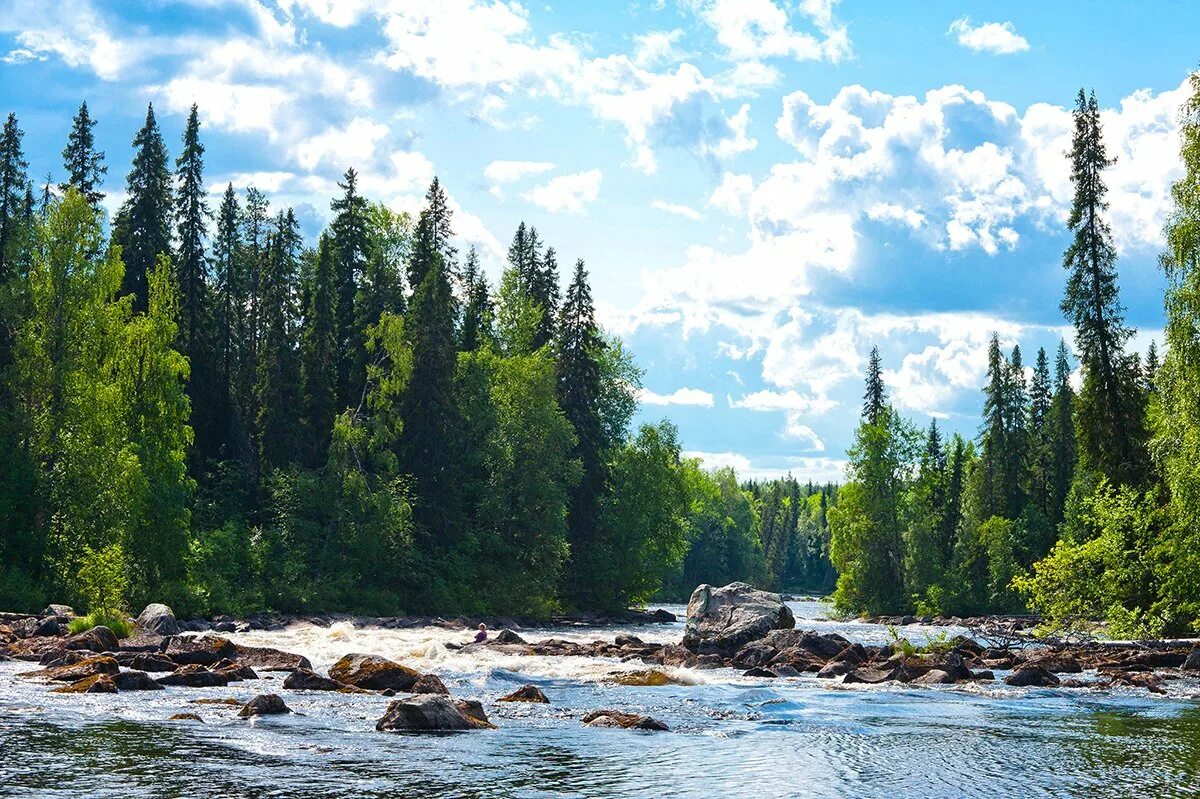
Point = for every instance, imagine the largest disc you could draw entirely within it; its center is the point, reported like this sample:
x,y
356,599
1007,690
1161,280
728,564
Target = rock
x,y
135,681
1192,662
430,713
954,665
158,618
664,616
508,637
759,672
59,610
264,705
867,676
1031,675
722,620
234,671
143,661
264,658
626,721
308,680
77,670
1057,662
194,675
526,693
96,684
374,672
430,684
784,670
627,640
186,717
50,627
1146,680
836,669
934,677
645,678
97,639
224,700
204,650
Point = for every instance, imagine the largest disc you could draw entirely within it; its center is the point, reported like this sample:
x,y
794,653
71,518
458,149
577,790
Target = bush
x,y
103,580
118,624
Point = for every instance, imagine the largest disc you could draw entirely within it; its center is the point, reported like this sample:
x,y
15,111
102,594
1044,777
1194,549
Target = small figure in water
x,y
481,636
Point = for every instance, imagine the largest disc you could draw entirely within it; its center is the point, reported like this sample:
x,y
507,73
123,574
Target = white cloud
x,y
342,147
733,194
998,38
767,400
793,429
686,211
814,469
658,47
499,174
570,194
756,29
680,396
74,32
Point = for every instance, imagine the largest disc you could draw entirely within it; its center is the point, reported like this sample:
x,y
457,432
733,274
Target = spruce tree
x,y
228,288
143,225
256,225
191,265
84,164
545,294
1062,434
875,398
476,327
1151,367
1111,424
351,244
318,366
432,239
14,185
278,365
580,384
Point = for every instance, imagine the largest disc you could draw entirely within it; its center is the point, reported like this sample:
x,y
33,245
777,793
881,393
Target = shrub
x,y
115,622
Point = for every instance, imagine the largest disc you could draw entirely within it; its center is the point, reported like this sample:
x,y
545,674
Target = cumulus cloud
x,y
499,174
755,29
767,400
794,430
998,38
569,194
686,211
75,33
680,396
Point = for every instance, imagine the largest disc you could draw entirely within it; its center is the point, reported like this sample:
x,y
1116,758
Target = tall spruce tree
x,y
544,292
476,327
83,163
191,264
579,348
875,398
1110,415
229,289
319,363
1040,454
432,240
278,364
14,184
143,225
1062,434
352,245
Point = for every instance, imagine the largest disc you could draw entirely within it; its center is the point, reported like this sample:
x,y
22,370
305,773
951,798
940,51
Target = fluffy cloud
x,y
767,400
686,211
680,396
755,29
998,38
570,194
74,32
501,173
794,430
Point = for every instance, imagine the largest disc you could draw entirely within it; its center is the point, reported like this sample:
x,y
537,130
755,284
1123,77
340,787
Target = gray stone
x,y
722,620
158,618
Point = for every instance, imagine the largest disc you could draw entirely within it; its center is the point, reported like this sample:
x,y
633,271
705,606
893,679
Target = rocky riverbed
x,y
761,707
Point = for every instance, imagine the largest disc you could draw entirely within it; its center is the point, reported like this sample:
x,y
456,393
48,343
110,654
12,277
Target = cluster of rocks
x,y
96,661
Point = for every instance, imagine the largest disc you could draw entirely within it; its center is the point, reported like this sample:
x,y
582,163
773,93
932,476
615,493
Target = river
x,y
731,736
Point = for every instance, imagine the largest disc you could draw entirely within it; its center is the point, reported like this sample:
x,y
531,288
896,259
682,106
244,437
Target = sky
x,y
762,190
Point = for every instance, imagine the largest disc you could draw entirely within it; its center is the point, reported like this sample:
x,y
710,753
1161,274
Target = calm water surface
x,y
732,736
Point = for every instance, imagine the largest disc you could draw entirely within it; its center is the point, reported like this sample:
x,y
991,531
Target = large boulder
x,y
97,639
77,670
265,658
431,713
1192,662
626,721
430,684
526,693
195,676
722,620
264,705
1032,675
96,684
309,680
205,650
135,681
158,618
374,672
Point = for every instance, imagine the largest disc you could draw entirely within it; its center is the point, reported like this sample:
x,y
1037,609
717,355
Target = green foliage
x,y
103,579
120,626
937,643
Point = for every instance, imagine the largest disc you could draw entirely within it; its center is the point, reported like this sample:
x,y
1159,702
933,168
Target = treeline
x,y
1080,505
198,407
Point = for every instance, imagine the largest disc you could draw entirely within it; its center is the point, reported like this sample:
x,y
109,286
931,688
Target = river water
x,y
731,736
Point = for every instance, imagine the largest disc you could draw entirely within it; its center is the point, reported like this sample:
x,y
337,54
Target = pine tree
x,y
256,238
318,367
1040,467
228,288
1151,368
578,349
1062,435
545,294
1111,419
875,399
278,365
14,184
381,289
430,439
351,244
143,225
476,327
83,163
191,266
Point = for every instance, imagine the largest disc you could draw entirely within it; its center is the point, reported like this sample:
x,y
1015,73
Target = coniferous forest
x,y
1078,500
201,408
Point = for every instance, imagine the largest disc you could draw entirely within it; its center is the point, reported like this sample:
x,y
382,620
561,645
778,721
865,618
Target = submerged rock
x,y
96,684
308,680
206,650
374,672
758,671
526,693
146,661
432,713
722,620
626,721
186,717
264,705
646,678
158,618
265,658
77,669
194,675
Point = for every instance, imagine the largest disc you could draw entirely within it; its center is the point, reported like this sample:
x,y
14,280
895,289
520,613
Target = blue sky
x,y
762,190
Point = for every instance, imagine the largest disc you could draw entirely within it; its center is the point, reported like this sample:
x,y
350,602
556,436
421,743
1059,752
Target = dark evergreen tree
x,y
951,515
1040,453
476,327
84,164
143,225
875,398
351,244
1062,434
319,362
278,365
544,292
191,264
229,289
256,225
14,186
432,238
578,350
1151,367
1111,423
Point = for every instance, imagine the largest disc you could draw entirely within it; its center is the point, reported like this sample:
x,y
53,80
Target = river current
x,y
731,736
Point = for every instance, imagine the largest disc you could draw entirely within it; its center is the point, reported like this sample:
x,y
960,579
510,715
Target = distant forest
x,y
1082,505
200,408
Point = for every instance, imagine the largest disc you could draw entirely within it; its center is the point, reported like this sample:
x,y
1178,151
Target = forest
x,y
1080,499
200,408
